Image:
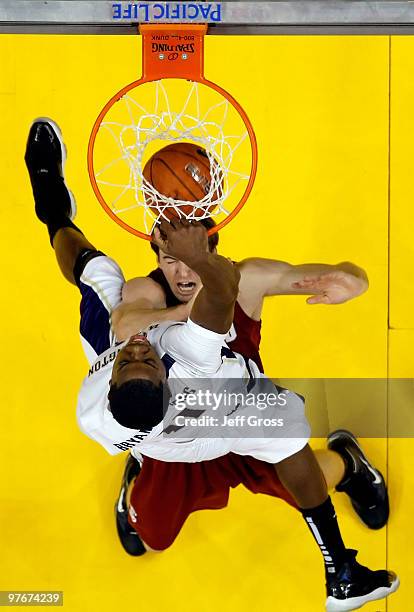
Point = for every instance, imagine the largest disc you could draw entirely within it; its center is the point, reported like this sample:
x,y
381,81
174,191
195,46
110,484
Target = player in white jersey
x,y
199,366
138,373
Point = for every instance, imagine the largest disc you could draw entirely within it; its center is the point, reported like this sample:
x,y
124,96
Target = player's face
x,y
138,359
183,282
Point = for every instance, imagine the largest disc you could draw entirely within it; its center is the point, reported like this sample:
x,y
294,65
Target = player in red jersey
x,y
245,336
167,293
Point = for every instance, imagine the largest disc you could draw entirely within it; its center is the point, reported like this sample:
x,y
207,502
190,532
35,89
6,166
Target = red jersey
x,y
246,332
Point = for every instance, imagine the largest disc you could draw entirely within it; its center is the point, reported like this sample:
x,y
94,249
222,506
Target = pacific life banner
x,y
145,12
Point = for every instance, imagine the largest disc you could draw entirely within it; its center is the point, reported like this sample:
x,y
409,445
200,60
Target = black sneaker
x,y
130,540
364,484
45,160
355,585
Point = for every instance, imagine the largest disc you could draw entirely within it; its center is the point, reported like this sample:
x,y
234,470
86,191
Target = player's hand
x,y
334,287
184,240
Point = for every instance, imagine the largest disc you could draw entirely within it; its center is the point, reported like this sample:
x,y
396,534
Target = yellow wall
x,y
320,107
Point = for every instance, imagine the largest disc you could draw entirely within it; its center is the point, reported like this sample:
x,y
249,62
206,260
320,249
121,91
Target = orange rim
x,y
193,70
120,94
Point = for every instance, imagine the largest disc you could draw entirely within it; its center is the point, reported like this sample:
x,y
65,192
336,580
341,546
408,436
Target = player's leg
x,y
99,278
129,538
349,585
332,465
301,475
54,204
69,245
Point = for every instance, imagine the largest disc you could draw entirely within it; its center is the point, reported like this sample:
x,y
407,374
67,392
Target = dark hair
x,y
213,240
137,403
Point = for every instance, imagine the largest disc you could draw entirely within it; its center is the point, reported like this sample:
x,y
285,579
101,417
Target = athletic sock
x,y
324,527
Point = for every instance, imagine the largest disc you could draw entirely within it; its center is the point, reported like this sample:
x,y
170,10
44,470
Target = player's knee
x,y
159,541
152,550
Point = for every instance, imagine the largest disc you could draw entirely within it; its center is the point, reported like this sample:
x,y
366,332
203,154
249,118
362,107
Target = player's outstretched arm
x,y
326,284
213,307
146,307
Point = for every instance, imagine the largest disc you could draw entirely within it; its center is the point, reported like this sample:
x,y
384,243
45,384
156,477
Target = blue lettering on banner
x,y
150,12
159,15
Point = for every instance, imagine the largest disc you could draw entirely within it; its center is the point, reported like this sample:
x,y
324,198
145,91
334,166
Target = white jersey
x,y
196,360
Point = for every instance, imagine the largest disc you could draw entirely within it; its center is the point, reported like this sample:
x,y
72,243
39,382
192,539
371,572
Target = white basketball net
x,y
163,122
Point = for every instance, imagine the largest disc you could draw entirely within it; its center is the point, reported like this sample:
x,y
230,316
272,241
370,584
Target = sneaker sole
x,y
344,605
56,128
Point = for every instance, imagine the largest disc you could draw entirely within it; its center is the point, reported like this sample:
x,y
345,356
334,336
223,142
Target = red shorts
x,y
164,494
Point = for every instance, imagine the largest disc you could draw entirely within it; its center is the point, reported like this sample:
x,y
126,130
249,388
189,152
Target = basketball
x,y
181,171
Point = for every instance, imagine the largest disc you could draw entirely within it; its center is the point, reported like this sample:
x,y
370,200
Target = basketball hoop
x,y
172,102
